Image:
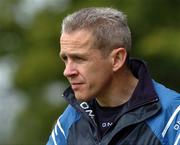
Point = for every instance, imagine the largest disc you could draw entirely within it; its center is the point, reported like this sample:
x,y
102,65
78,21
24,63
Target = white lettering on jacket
x,y
85,106
177,125
106,124
176,113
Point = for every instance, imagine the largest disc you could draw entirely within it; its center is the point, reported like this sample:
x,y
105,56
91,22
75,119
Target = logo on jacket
x,y
85,106
106,124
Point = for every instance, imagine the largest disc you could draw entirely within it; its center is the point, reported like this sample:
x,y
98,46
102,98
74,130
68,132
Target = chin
x,y
83,98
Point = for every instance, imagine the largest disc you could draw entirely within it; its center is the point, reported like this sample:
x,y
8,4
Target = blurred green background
x,y
31,80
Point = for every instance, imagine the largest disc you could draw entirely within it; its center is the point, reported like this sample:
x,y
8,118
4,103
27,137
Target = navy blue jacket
x,y
150,117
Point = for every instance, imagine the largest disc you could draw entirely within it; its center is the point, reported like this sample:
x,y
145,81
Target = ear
x,y
118,58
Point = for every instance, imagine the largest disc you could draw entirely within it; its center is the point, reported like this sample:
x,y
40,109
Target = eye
x,y
78,59
64,58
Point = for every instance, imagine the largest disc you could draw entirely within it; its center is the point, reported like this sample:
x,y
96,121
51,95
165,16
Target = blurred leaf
x,y
163,41
38,68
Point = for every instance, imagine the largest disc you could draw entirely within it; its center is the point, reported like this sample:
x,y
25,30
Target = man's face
x,y
88,72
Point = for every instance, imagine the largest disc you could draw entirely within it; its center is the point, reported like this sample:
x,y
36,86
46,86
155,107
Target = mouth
x,y
76,86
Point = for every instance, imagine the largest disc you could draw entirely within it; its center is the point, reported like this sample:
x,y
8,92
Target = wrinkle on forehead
x,y
76,43
80,39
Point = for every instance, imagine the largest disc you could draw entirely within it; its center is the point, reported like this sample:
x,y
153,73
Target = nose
x,y
70,70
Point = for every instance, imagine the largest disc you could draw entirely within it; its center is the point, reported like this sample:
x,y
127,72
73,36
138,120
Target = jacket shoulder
x,y
167,96
60,132
166,124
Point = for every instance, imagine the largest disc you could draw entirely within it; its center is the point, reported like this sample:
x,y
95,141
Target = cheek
x,y
100,77
96,82
97,73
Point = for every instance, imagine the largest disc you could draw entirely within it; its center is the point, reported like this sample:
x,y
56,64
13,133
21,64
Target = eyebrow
x,y
73,55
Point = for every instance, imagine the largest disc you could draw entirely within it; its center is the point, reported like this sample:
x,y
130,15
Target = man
x,y
112,99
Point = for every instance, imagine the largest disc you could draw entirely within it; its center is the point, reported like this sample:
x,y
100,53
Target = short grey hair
x,y
108,26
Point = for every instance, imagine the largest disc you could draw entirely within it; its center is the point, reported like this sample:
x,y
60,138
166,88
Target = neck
x,y
119,91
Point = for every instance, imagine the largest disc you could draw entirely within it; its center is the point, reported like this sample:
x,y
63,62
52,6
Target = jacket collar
x,y
144,92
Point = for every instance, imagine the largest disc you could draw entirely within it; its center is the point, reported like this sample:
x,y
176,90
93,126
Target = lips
x,y
76,86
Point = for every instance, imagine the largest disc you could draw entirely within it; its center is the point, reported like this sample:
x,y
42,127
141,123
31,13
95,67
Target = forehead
x,y
75,41
76,37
